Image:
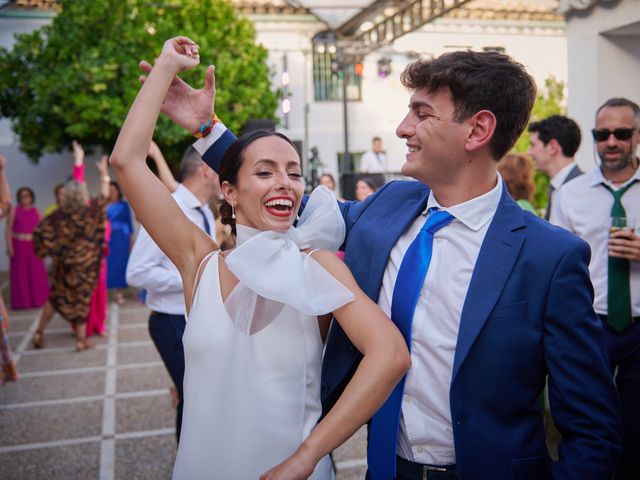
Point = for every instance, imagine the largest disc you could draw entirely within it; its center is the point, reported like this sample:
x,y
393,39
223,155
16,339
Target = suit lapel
x,y
497,257
575,172
397,222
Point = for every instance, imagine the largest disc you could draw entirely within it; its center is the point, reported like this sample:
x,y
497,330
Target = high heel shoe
x,y
10,372
38,340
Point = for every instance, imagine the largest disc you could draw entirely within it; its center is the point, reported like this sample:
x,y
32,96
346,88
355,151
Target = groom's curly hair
x,y
480,81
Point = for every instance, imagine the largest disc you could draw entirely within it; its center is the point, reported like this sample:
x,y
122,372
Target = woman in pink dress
x,y
97,317
28,275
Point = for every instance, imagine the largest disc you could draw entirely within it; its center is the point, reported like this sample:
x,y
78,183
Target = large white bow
x,y
272,265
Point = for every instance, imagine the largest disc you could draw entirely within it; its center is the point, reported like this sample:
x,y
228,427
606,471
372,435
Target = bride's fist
x,y
181,52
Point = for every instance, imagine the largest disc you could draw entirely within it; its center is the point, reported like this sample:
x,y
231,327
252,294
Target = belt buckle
x,y
426,469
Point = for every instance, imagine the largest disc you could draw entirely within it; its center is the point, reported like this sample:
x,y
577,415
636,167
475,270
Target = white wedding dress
x,y
252,364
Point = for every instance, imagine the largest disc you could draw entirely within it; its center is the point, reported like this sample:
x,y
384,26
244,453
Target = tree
x,y
76,78
549,101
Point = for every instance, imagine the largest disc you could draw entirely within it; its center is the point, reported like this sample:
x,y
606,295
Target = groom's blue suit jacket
x,y
528,314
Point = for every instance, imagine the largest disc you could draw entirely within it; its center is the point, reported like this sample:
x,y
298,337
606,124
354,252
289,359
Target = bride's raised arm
x,y
181,240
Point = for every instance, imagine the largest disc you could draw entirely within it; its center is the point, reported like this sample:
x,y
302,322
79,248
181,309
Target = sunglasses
x,y
600,135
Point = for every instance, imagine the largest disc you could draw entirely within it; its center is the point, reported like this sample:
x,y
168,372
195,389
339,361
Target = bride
x,y
257,314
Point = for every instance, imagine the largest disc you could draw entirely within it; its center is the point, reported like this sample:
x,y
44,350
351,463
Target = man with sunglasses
x,y
603,207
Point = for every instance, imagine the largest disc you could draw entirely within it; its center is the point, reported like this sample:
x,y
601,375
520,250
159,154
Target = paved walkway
x,y
102,414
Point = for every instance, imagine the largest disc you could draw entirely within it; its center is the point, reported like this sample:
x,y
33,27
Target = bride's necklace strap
x,y
272,265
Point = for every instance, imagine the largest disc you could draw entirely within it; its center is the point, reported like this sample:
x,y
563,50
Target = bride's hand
x,y
293,468
181,52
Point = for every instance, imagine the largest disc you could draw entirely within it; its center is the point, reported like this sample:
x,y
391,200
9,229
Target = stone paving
x,y
101,414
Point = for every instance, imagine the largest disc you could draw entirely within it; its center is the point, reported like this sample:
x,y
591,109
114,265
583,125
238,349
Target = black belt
x,y
418,471
164,314
606,318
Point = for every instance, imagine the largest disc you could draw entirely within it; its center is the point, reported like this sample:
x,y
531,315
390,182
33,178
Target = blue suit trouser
x,y
166,331
624,353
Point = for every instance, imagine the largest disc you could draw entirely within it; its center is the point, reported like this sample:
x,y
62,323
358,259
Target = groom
x,y
491,299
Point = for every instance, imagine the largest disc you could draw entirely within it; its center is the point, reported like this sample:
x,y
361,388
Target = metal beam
x,y
406,17
351,26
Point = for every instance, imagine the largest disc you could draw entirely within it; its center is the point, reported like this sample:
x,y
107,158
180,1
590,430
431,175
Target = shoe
x,y
120,299
38,340
10,372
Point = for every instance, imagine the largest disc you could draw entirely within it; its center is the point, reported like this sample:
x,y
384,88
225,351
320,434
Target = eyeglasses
x,y
600,135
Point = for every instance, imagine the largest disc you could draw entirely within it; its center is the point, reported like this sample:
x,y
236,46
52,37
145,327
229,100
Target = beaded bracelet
x,y
205,128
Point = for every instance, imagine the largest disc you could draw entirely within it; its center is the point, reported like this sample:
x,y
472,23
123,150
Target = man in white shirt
x,y
374,160
149,268
552,144
592,206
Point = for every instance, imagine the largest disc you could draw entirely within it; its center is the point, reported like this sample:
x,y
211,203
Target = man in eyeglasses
x,y
603,207
552,145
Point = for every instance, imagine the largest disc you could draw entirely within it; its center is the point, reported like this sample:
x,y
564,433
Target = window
x,y
327,71
493,49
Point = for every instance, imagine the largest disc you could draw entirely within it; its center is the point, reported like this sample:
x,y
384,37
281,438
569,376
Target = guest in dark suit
x,y
506,299
553,143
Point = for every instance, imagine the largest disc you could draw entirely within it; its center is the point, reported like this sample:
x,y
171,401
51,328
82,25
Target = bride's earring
x,y
233,210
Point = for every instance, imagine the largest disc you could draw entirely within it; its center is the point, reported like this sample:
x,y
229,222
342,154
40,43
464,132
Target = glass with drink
x,y
621,223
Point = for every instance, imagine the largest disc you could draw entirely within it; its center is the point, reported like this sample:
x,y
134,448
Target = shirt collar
x,y
597,178
559,178
188,198
474,213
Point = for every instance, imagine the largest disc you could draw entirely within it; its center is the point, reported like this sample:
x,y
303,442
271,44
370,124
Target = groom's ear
x,y
481,127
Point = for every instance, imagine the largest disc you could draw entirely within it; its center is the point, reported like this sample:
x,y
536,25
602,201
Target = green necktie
x,y
619,288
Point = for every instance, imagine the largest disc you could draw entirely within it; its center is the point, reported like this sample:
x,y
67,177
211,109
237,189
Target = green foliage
x,y
549,101
76,78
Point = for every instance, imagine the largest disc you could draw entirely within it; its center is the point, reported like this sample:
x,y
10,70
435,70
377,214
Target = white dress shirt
x,y
559,178
151,269
426,434
372,162
583,206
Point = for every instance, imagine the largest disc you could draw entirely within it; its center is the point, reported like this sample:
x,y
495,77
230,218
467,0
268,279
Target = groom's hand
x,y
185,105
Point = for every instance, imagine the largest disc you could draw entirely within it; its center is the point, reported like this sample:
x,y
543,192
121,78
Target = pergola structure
x,y
365,25
380,22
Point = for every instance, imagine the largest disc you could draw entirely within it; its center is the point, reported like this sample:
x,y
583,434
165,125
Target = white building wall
x,y
603,44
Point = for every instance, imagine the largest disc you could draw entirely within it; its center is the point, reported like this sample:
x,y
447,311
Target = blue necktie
x,y
207,227
383,430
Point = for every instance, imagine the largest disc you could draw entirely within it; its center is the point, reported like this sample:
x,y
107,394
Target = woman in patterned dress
x,y
73,236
